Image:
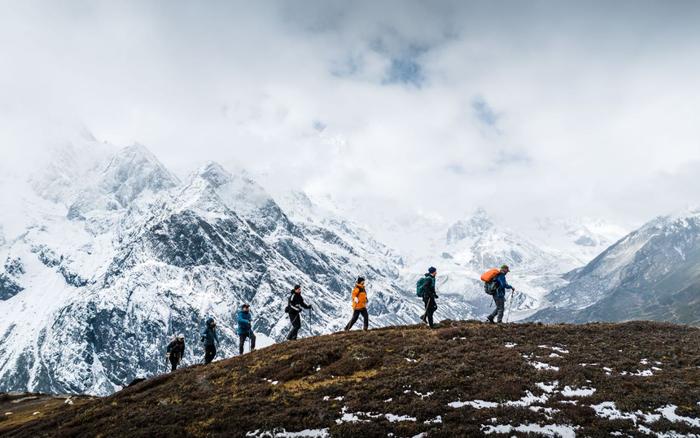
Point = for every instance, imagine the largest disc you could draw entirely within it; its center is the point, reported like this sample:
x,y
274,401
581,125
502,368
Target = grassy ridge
x,y
406,380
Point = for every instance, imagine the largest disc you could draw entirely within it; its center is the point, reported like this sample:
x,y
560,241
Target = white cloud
x,y
595,105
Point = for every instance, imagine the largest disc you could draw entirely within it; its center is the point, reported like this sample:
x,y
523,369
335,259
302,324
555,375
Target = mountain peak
x,y
215,174
134,169
475,226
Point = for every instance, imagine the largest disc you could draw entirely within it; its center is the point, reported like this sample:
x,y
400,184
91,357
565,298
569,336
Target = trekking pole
x,y
510,306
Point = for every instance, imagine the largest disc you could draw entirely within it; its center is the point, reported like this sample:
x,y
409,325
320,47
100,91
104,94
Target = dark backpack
x,y
420,286
289,303
491,287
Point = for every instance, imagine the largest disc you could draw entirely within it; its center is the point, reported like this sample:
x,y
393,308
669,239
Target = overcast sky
x,y
526,108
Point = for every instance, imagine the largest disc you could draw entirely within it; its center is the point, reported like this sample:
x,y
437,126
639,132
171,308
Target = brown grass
x,y
231,397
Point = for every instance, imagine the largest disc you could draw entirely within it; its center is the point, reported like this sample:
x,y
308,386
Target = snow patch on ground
x,y
642,373
669,413
555,348
543,366
306,433
548,387
554,430
476,404
609,410
436,420
357,417
577,392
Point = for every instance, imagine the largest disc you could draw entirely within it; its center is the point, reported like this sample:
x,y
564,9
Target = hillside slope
x,y
463,379
652,274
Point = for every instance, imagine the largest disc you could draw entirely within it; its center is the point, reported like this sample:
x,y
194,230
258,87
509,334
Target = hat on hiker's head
x,y
505,268
360,280
245,306
432,270
181,336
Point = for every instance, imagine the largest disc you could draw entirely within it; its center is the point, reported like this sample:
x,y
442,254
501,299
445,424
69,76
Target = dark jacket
x,y
502,285
296,303
245,323
209,336
429,287
176,348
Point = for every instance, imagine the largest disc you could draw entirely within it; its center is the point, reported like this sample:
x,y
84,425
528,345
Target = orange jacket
x,y
359,297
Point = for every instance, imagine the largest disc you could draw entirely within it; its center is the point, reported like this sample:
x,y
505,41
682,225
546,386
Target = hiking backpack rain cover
x,y
489,279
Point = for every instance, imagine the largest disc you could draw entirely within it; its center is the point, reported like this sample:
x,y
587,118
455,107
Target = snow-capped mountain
x,y
652,273
105,254
118,255
475,244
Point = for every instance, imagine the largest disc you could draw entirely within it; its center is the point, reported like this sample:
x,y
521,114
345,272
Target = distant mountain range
x,y
652,273
109,254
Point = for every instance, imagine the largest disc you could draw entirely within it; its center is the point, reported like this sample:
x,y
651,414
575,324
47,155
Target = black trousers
x,y
209,353
498,311
430,308
295,318
174,361
355,315
241,342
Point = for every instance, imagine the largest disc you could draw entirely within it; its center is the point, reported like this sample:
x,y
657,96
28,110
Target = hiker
x,y
496,286
359,305
295,303
425,288
175,351
245,328
210,339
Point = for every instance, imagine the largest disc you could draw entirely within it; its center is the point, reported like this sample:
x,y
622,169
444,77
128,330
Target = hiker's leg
x,y
495,311
426,304
241,344
252,341
431,310
291,332
365,318
500,307
296,325
209,353
173,362
353,320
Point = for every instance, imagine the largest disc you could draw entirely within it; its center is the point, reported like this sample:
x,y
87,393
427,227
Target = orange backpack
x,y
490,275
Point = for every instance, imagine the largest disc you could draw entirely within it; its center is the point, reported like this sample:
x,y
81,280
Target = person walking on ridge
x,y
295,303
359,305
499,297
175,351
426,290
245,328
210,339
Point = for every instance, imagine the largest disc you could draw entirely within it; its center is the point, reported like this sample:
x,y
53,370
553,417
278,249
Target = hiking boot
x,y
490,320
423,318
